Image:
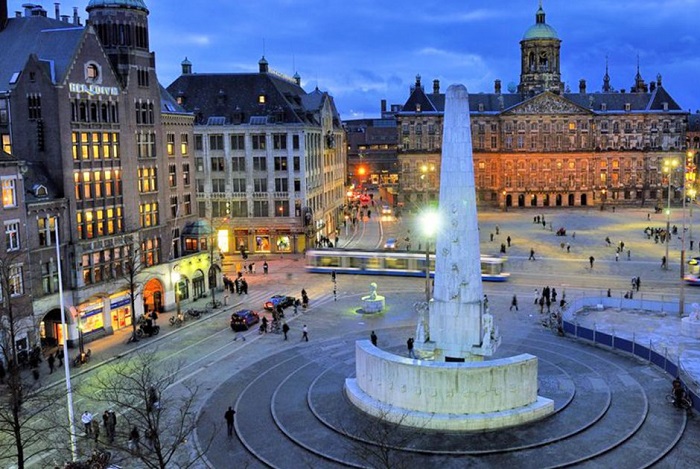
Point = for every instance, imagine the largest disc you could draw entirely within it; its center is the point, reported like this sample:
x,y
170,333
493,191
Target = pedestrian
x,y
96,430
663,262
263,325
617,256
568,248
265,267
244,286
373,338
112,425
508,241
305,333
486,303
691,244
648,216
532,255
153,400
285,329
87,422
491,240
629,254
554,295
59,357
498,230
252,268
537,295
503,248
409,346
228,415
514,303
591,260
609,293
51,361
296,306
639,282
105,423
134,438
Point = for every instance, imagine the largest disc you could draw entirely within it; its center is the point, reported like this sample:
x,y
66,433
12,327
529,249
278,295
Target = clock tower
x,y
540,66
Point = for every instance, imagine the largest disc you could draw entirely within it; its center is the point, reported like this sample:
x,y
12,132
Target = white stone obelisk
x,y
459,327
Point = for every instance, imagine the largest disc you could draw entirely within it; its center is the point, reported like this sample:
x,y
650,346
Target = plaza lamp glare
x,y
431,223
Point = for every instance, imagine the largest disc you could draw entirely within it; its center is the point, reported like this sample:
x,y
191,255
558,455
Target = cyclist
x,y
678,392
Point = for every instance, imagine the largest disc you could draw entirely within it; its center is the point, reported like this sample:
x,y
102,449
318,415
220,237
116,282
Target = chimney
x,y
436,86
497,86
383,106
582,86
65,18
27,9
652,86
418,85
3,14
57,10
76,18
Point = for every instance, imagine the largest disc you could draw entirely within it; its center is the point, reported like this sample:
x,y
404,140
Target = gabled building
x,y
270,158
541,145
81,104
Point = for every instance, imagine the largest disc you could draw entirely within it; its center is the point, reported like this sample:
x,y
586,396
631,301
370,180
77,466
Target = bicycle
x,y
214,304
686,403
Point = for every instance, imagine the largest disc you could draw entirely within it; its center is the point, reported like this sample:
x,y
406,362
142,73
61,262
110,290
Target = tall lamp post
x,y
669,165
430,220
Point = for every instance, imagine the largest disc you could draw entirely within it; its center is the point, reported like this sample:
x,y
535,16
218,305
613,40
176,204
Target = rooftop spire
x,y
539,16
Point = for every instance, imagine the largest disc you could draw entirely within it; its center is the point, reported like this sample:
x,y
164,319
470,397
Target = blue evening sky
x,y
362,51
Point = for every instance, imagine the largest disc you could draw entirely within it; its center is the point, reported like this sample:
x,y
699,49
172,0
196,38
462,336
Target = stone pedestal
x,y
690,328
374,305
448,396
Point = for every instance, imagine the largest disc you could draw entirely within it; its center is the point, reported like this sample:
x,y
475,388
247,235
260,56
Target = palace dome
x,y
136,4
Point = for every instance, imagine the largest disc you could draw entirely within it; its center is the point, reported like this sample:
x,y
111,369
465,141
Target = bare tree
x,y
142,392
380,442
131,275
26,409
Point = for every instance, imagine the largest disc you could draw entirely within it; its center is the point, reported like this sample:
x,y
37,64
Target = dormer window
x,y
261,99
92,73
603,107
418,107
40,191
628,106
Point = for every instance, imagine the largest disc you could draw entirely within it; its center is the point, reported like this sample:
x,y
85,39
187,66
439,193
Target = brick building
x,y
82,106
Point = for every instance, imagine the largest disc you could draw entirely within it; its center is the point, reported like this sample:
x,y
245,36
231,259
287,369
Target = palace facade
x,y
542,145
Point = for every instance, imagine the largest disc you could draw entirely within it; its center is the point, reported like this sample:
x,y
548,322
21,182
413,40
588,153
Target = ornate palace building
x,y
270,158
542,145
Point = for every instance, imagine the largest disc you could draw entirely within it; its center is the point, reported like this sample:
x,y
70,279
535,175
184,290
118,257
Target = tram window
x,y
328,261
356,262
374,263
394,263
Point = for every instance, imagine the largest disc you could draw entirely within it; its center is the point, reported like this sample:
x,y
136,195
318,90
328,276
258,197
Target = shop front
x,y
120,311
90,321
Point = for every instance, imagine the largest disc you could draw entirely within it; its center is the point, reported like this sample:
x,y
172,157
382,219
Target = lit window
x,y
261,99
9,192
92,72
12,236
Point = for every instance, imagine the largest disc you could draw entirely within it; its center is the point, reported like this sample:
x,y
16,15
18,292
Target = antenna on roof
x,y
263,47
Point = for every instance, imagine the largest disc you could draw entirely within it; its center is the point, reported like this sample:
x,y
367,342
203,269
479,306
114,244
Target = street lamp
x,y
430,220
603,199
669,165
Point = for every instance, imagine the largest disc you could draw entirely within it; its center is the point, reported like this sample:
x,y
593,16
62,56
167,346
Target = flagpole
x,y
66,357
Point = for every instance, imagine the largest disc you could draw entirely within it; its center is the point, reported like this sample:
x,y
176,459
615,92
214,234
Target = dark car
x,y
243,319
279,300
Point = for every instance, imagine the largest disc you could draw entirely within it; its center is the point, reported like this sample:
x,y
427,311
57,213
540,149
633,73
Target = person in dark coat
x,y
228,416
373,338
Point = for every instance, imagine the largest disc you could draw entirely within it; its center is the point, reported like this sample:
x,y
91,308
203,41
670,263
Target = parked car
x,y
390,244
243,319
279,300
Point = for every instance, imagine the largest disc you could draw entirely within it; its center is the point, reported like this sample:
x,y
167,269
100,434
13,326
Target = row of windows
x,y
172,175
148,215
238,142
146,144
218,185
113,34
239,209
95,145
148,179
144,112
94,223
150,252
176,210
34,106
97,184
218,163
104,265
184,144
93,112
142,77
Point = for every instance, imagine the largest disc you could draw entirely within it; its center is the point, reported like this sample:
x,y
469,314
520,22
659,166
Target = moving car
x,y
243,319
279,300
390,244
